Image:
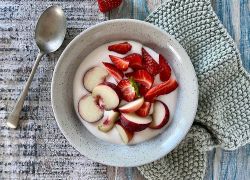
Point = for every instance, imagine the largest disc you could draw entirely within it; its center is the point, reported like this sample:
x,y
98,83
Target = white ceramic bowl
x,y
62,93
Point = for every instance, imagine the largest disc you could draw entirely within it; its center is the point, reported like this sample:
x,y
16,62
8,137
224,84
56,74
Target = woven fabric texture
x,y
223,116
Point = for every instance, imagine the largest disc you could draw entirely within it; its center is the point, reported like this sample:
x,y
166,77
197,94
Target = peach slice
x,y
93,77
125,134
132,106
89,110
109,123
107,96
160,115
135,123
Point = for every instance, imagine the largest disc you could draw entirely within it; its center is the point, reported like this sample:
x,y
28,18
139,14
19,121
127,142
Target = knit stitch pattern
x,y
223,115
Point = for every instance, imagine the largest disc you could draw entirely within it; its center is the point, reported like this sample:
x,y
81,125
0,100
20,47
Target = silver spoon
x,y
49,35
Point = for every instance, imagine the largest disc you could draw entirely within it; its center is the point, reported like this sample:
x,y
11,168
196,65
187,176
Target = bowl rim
x,y
183,133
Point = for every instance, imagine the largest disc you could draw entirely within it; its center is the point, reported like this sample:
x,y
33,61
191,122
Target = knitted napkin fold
x,y
223,115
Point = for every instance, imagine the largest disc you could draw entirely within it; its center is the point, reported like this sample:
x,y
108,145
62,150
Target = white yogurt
x,y
95,58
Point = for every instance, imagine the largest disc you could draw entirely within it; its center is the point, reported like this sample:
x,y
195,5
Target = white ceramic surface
x,y
62,95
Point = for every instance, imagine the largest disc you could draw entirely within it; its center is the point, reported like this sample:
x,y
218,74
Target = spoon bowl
x,y
50,29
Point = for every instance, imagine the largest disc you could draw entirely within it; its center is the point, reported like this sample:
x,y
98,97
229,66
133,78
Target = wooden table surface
x,y
235,16
33,140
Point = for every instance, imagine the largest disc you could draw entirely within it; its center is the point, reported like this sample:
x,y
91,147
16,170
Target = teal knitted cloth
x,y
223,116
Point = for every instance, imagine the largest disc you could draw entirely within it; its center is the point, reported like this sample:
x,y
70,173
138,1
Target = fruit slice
x,y
107,5
129,89
125,134
129,74
89,110
132,106
165,74
121,48
120,63
160,115
151,109
113,86
160,89
122,103
135,60
142,77
143,91
113,71
135,123
109,123
143,111
107,97
150,64
93,77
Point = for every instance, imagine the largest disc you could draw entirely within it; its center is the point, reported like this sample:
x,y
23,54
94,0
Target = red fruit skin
x,y
164,121
130,134
121,48
126,89
165,74
131,126
113,71
161,89
144,109
120,63
150,64
143,91
107,5
135,60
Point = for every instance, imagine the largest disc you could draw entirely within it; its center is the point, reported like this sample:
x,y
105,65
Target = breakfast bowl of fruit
x,y
124,93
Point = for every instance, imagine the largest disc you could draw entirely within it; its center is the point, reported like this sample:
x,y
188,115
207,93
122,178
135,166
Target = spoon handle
x,y
13,118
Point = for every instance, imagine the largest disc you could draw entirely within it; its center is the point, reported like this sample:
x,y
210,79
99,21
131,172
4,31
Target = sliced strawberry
x,y
143,78
120,63
128,89
144,109
160,89
135,60
107,5
113,71
166,69
121,48
150,64
130,74
143,90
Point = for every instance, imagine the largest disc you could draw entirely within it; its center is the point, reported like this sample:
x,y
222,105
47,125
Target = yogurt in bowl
x,y
92,72
182,110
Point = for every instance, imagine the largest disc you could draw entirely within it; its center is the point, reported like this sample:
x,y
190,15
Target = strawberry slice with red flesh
x,y
128,89
144,109
135,60
107,5
150,64
165,74
121,48
143,91
113,71
161,89
142,77
120,63
129,74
